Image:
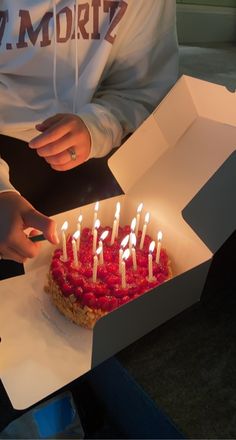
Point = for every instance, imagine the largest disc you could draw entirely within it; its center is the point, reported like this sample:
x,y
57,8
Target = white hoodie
x,y
112,72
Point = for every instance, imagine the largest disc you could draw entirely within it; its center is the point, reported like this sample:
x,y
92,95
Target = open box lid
x,y
188,138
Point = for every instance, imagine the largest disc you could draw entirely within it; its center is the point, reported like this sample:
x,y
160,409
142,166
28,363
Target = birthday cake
x,y
85,293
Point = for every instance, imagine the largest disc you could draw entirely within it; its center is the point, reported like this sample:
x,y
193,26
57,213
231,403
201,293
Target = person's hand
x,y
64,143
16,215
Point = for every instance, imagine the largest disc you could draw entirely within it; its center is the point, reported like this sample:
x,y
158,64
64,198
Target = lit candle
x,y
134,259
95,235
126,255
63,237
139,210
146,221
118,219
74,247
79,223
150,268
100,245
159,238
114,228
95,265
121,250
95,216
132,228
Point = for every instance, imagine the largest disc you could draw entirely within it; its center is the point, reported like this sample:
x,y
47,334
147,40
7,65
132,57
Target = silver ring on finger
x,y
72,153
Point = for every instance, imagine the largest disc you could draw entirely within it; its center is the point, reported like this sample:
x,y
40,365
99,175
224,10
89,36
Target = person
x,y
76,78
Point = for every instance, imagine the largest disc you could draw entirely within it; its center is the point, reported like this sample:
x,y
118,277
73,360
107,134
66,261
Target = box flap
x,y
177,150
218,209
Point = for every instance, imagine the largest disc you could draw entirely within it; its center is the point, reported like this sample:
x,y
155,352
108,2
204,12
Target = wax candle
x,y
159,238
139,210
95,235
79,223
117,218
121,250
146,221
63,238
133,250
74,248
95,216
150,266
126,255
95,265
114,228
100,245
132,229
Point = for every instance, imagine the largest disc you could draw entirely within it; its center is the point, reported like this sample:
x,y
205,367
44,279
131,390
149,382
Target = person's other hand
x,y
62,134
17,214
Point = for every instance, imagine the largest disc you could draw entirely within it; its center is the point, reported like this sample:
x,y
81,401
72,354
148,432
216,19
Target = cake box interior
x,y
181,164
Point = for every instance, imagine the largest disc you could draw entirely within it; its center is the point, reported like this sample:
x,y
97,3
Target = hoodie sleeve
x,y
5,184
143,69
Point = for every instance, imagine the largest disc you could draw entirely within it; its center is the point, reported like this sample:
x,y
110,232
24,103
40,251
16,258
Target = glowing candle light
x,y
139,210
146,221
121,250
95,216
159,238
63,237
95,235
79,223
133,251
150,266
95,265
126,255
100,245
114,228
74,247
118,219
132,228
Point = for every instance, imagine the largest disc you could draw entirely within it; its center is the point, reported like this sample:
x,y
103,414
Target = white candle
x,y
79,223
63,237
134,259
74,248
100,245
95,216
95,265
146,221
121,250
118,219
150,266
126,254
139,210
114,228
95,235
159,238
132,228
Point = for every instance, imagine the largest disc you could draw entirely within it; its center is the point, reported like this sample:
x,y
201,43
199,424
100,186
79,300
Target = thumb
x,y
34,219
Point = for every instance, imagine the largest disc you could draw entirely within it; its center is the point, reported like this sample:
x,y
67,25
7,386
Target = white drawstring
x,y
55,51
76,57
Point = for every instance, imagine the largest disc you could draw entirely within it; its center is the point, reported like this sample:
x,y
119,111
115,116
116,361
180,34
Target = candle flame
x,y
159,236
118,208
147,217
133,224
125,241
65,226
76,235
133,239
80,218
126,254
152,247
139,208
96,207
97,224
104,235
99,250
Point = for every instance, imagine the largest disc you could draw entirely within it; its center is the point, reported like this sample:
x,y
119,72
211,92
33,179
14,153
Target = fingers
x,y
49,121
35,219
58,128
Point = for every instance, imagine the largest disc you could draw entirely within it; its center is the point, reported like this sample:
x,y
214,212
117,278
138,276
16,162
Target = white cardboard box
x,y
181,163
